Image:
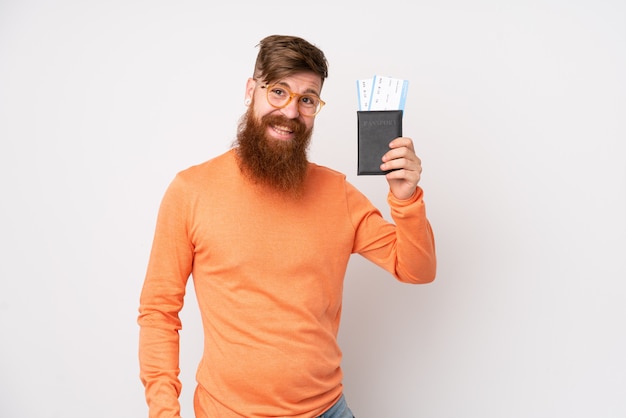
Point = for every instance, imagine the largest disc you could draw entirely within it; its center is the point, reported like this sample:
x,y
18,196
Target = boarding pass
x,y
382,93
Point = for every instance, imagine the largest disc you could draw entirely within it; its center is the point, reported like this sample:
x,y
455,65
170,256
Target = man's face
x,y
273,142
300,83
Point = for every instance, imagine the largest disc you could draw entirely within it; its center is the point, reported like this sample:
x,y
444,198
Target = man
x,y
267,236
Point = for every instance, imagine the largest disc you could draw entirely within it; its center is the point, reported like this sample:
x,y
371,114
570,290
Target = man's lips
x,y
282,131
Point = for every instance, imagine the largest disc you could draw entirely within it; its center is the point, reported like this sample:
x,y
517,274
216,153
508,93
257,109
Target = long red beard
x,y
282,165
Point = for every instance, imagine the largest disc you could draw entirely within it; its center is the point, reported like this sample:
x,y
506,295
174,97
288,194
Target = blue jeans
x,y
338,410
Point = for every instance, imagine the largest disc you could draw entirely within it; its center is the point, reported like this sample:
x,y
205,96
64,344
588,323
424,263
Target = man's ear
x,y
250,86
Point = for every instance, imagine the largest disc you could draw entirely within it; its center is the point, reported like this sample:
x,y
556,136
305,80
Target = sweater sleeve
x,y
161,300
405,249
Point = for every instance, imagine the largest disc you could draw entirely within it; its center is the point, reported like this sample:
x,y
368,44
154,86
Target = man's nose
x,y
291,111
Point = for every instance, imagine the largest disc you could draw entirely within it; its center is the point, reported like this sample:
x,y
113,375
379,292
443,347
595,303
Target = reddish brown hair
x,y
281,56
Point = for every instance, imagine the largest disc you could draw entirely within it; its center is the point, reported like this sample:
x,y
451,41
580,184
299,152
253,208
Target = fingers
x,y
404,166
401,156
402,142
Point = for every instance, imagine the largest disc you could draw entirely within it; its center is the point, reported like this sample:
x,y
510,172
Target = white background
x,y
517,109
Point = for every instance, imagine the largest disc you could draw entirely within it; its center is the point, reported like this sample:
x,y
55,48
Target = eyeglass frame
x,y
269,87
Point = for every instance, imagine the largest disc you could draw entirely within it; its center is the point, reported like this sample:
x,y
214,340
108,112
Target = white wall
x,y
517,109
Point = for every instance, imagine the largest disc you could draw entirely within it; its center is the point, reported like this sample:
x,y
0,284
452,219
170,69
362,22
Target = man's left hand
x,y
406,166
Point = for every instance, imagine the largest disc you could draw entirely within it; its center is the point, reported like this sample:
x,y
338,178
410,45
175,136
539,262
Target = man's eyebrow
x,y
310,90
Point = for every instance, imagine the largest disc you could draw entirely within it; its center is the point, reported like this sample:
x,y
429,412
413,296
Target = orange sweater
x,y
268,274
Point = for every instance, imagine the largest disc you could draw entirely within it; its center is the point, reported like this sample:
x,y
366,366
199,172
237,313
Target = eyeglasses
x,y
279,97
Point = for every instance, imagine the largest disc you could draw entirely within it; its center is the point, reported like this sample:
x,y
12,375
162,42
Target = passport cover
x,y
376,129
